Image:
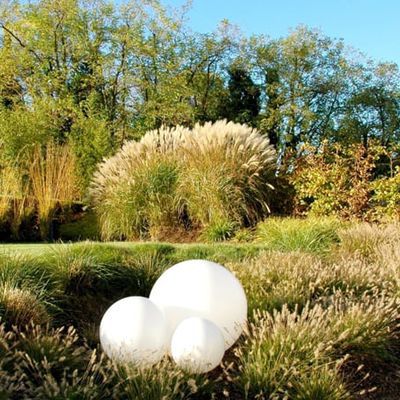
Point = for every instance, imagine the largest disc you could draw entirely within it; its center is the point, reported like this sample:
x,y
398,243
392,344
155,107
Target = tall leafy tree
x,y
372,110
304,82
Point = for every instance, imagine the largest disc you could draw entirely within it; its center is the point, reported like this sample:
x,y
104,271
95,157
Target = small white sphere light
x,y
199,288
197,345
134,330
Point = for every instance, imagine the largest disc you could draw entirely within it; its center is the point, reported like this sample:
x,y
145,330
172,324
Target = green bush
x,y
334,180
385,200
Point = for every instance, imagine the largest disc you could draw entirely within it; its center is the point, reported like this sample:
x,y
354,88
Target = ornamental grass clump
x,y
314,235
289,354
53,181
283,355
171,178
227,167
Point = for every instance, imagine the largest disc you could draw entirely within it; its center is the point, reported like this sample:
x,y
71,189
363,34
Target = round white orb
x,y
197,345
199,288
134,330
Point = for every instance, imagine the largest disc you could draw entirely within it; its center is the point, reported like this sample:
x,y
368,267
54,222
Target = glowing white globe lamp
x,y
197,345
134,330
200,288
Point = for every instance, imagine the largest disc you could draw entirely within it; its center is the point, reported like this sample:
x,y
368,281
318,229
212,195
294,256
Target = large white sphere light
x,y
197,345
199,288
134,330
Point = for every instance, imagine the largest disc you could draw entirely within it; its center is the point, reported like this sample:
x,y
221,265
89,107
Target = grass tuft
x,y
291,234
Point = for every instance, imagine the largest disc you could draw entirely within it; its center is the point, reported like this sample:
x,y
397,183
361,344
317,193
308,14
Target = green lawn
x,y
36,249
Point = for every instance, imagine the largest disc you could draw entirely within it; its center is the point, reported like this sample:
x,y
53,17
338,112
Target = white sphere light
x,y
134,330
197,345
199,288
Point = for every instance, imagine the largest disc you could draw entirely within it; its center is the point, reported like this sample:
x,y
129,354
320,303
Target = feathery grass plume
x,y
164,381
284,348
281,350
44,363
364,238
20,306
292,234
228,167
53,363
274,280
134,190
366,327
214,172
377,248
53,181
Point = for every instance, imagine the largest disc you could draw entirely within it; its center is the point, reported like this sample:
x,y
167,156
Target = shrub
x,y
311,234
134,193
215,172
334,180
385,200
228,167
244,235
27,290
24,271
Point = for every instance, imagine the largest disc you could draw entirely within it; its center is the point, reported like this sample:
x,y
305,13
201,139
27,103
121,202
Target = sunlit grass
x,y
320,319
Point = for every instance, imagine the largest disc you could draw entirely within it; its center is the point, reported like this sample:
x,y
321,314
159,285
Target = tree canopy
x,y
94,74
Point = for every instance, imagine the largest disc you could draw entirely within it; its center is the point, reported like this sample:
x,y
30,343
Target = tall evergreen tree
x,y
242,101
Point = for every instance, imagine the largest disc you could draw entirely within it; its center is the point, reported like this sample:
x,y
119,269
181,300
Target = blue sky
x,y
372,26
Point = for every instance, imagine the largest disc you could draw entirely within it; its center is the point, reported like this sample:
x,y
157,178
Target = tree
x,y
372,111
242,100
303,77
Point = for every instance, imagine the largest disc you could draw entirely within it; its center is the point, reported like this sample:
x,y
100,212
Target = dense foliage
x,y
134,67
351,182
91,75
